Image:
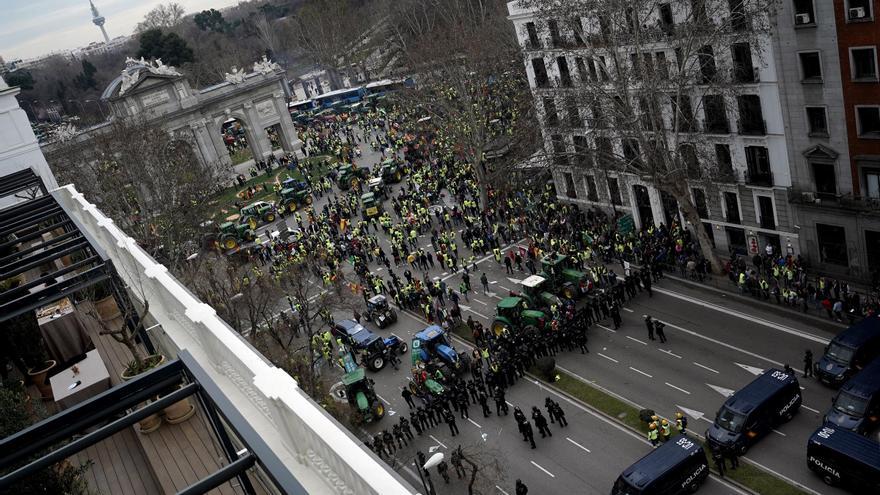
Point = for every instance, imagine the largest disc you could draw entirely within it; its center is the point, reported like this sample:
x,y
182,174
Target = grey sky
x,y
29,28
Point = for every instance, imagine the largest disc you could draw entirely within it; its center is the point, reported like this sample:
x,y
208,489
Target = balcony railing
x,y
755,178
324,457
837,201
752,127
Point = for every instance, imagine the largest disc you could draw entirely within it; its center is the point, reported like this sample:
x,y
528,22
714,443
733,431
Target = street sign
x,y
626,224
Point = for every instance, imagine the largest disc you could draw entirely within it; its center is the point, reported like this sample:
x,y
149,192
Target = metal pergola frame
x,y
27,451
29,220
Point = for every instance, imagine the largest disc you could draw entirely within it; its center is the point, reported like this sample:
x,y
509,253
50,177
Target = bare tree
x,y
148,180
469,82
165,16
332,34
645,71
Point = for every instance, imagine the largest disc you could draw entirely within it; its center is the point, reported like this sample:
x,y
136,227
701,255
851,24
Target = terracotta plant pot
x,y
39,379
179,412
107,308
152,422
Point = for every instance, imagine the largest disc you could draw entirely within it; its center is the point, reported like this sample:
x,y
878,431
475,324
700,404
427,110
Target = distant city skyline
x,y
32,28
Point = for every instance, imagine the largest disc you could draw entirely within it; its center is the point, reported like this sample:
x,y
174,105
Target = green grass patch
x,y
224,201
748,475
240,156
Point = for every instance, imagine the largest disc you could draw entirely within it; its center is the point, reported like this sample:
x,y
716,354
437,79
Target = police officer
x,y
443,469
551,411
658,326
649,324
719,461
540,422
450,420
521,488
407,396
529,433
808,363
483,400
560,414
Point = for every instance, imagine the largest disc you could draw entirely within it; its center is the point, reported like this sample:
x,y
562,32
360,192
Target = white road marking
x,y
509,403
641,372
721,390
677,388
606,328
477,313
383,399
608,358
503,288
493,282
670,353
691,412
438,441
579,445
542,469
751,369
808,408
474,423
481,302
628,310
637,340
738,314
500,490
705,367
725,344
779,433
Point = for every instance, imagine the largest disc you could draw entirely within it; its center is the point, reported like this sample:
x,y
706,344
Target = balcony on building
x,y
240,425
848,202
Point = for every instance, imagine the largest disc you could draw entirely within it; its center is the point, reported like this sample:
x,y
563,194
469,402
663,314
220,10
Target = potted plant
x,y
105,303
175,413
28,351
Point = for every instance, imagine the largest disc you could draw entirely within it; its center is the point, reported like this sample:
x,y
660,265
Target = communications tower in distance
x,y
98,20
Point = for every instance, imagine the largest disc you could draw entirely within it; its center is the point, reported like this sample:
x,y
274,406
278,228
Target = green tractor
x,y
377,186
349,176
390,171
294,194
513,313
534,289
562,278
370,206
231,235
361,396
257,213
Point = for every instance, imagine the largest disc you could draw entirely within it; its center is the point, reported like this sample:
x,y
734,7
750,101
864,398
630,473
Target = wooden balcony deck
x,y
163,462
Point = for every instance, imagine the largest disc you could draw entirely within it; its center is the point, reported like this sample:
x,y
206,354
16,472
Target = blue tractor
x,y
431,346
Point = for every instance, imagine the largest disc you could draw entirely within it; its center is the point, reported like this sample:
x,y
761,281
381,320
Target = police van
x,y
677,466
845,458
770,399
850,351
857,405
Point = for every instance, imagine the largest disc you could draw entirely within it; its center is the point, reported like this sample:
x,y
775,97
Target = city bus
x,y
339,97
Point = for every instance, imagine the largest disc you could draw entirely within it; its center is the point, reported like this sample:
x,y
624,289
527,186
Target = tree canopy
x,y
171,48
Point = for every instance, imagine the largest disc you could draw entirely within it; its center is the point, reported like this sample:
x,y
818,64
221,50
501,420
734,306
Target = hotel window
x,y
811,67
863,63
817,121
868,122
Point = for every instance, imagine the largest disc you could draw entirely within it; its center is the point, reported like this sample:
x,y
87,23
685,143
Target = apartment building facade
x,y
745,209
829,69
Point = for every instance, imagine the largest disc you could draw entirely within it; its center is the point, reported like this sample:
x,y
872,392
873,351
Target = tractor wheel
x,y
354,182
498,327
568,292
397,176
229,242
377,363
403,348
249,235
378,410
308,200
290,206
252,222
269,217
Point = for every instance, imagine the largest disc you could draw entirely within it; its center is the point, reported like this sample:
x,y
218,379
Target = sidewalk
x,y
722,285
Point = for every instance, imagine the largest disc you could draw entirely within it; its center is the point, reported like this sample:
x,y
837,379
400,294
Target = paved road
x,y
716,345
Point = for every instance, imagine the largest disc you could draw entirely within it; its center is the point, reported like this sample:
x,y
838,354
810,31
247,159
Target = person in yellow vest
x,y
497,253
665,431
652,434
681,422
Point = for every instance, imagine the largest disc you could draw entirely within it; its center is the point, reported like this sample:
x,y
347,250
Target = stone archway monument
x,y
161,94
